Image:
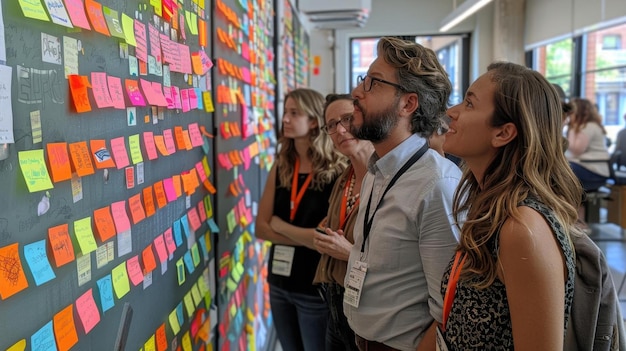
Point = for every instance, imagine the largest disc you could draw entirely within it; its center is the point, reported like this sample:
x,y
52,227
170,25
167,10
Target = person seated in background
x,y
587,150
620,146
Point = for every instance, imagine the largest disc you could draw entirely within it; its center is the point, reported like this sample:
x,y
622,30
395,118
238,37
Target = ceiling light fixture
x,y
466,9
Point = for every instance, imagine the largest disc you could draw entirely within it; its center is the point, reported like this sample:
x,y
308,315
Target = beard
x,y
376,126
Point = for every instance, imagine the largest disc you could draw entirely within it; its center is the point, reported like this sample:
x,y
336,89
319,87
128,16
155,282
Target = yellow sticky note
x,y
34,9
173,319
189,306
34,170
128,25
180,269
18,346
150,345
135,149
195,293
208,101
84,235
186,342
121,285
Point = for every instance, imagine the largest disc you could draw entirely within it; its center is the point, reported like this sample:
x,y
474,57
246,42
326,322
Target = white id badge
x,y
441,342
283,260
356,277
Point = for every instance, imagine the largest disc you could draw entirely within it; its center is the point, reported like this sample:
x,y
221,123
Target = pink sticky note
x,y
201,172
245,74
155,42
194,220
87,311
134,270
184,95
157,90
146,87
120,155
141,50
193,99
116,92
169,141
76,10
159,244
176,95
185,58
169,241
195,135
201,211
148,143
120,216
133,92
246,158
100,89
170,191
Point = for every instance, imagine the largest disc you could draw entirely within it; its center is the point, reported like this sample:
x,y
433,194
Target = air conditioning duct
x,y
328,14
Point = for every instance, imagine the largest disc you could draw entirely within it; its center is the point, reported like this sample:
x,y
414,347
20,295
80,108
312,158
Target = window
x,y
611,42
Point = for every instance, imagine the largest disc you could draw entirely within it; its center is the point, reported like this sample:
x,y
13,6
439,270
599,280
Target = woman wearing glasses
x,y
297,191
333,237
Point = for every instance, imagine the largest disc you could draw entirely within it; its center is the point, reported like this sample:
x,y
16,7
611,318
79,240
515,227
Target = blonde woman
x,y
297,191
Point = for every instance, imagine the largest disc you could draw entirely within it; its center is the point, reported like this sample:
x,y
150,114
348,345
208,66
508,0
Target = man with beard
x,y
404,233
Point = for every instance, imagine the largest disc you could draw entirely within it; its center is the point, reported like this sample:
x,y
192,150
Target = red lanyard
x,y
343,216
455,272
296,195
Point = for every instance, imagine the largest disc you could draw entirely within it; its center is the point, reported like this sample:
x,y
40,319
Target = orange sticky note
x,y
94,11
177,185
80,159
161,338
61,244
209,187
202,37
101,155
59,162
136,208
105,227
12,280
78,89
180,138
65,329
148,201
149,263
187,140
159,141
159,193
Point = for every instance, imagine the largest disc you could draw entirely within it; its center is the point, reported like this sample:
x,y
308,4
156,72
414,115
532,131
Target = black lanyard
x,y
367,223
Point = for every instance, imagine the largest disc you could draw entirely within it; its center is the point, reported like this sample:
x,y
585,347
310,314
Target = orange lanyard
x,y
343,216
296,195
455,272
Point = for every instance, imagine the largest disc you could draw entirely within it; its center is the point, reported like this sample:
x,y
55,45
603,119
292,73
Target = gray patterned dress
x,y
480,319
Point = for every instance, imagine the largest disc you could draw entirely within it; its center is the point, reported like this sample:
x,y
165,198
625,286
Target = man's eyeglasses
x,y
368,80
331,127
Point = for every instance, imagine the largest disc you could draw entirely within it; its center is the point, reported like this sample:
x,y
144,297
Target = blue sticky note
x,y
38,263
213,226
205,145
200,102
188,262
106,293
179,313
43,339
247,96
203,248
178,237
185,222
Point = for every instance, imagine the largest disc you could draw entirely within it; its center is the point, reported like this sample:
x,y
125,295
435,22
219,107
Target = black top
x,y
313,208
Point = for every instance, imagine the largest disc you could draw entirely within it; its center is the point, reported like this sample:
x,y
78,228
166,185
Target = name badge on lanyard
x,y
283,260
356,277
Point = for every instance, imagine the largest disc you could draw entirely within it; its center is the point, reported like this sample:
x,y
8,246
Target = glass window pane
x,y
605,48
554,61
607,89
